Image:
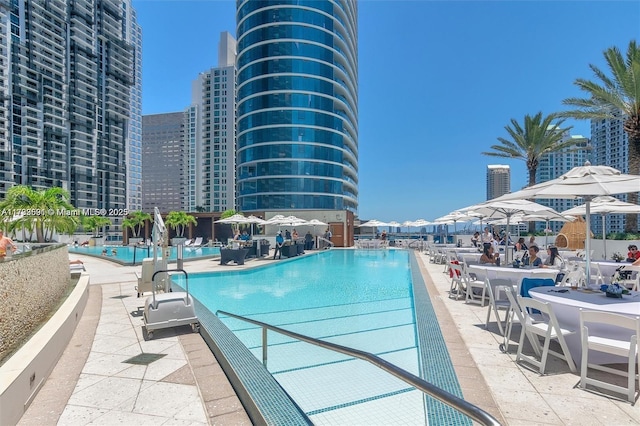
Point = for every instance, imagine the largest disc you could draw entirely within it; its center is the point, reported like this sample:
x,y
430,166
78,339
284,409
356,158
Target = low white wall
x,y
22,376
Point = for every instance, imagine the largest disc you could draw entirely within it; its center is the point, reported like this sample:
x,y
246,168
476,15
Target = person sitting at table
x,y
534,260
488,255
278,247
532,241
520,245
633,254
475,240
245,236
553,260
236,235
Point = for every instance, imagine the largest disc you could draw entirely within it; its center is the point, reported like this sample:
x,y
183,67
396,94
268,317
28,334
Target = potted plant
x,y
179,222
618,257
135,221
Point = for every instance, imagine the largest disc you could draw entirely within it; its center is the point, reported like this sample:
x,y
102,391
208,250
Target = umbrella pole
x,y
546,234
506,245
587,244
604,237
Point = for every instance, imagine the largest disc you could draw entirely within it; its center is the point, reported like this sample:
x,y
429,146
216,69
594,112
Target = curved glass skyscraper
x,y
297,105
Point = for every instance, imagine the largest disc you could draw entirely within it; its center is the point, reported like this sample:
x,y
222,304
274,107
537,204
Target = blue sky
x,y
438,82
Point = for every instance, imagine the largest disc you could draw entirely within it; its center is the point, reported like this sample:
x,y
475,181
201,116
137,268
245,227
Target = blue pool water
x,y
125,254
360,299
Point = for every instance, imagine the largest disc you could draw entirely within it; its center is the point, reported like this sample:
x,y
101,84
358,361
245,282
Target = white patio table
x,y
566,306
515,275
608,268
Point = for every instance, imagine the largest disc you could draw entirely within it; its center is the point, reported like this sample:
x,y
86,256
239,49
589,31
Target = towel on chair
x,y
529,283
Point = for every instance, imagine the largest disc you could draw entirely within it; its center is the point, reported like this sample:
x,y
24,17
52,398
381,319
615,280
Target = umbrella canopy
x,y
373,223
314,222
604,205
235,219
582,182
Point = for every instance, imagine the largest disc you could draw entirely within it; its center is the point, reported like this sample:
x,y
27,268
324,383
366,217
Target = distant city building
x,y
297,113
164,162
555,164
211,134
611,148
498,180
68,69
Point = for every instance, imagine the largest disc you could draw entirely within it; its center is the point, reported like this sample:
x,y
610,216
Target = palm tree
x,y
135,221
94,223
45,210
539,136
615,97
179,221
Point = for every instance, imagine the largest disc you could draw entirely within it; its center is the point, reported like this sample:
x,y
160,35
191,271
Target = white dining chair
x,y
476,291
495,290
458,288
548,329
574,278
516,315
627,348
632,283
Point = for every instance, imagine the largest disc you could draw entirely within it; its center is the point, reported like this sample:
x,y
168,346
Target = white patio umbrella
x,y
582,182
393,224
498,208
373,223
604,205
236,219
542,216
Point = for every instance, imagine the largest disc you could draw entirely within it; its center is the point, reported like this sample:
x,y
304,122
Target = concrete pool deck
x,y
104,378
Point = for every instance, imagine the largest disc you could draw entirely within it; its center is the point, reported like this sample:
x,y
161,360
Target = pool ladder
x,y
459,404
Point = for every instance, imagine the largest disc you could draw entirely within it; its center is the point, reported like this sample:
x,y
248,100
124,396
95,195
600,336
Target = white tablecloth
x,y
566,307
515,275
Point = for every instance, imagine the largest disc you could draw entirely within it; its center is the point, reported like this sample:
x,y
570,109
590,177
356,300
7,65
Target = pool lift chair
x,y
171,309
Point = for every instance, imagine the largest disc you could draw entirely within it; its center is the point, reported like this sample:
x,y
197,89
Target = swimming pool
x,y
361,299
125,254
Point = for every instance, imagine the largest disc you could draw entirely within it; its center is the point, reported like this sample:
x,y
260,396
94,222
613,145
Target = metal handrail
x,y
471,410
326,240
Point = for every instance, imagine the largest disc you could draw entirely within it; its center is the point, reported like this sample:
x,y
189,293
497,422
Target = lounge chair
x,y
76,268
188,243
197,242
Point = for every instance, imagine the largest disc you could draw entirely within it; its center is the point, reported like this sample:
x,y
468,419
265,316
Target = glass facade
x,y
297,105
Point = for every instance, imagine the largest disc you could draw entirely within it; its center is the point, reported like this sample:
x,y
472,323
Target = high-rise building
x,y
211,133
164,162
64,118
498,180
133,36
297,112
611,148
555,164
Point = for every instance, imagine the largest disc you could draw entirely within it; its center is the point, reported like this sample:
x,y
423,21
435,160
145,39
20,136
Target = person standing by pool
x,y
287,234
278,248
308,241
